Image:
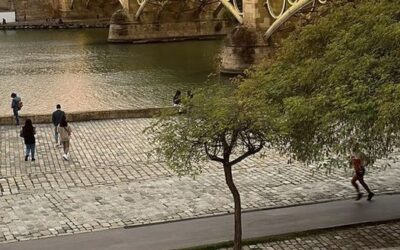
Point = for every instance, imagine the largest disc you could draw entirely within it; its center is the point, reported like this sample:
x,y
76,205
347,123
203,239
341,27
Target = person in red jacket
x,y
358,161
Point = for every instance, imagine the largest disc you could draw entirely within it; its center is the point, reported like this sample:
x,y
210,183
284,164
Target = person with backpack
x,y
28,133
65,135
16,105
56,119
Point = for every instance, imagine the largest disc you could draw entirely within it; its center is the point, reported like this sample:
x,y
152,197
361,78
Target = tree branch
x,y
212,157
247,154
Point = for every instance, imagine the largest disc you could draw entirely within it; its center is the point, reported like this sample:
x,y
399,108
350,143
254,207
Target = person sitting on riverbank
x,y
176,101
56,119
189,94
28,133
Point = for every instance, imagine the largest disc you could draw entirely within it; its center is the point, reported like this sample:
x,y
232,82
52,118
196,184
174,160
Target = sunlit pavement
x,y
110,182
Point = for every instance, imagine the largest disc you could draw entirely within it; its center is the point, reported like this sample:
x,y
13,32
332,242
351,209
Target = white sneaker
x,y
65,157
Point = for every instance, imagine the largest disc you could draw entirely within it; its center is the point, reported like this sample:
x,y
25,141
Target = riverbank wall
x,y
87,116
54,25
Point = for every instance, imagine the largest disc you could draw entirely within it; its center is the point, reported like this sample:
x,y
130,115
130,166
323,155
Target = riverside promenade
x,y
110,183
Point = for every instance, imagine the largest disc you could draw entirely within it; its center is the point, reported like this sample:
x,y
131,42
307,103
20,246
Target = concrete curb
x,y
88,116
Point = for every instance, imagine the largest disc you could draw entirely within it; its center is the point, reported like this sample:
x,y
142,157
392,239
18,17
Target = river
x,y
81,71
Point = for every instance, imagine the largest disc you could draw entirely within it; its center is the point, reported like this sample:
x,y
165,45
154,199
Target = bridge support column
x,y
245,45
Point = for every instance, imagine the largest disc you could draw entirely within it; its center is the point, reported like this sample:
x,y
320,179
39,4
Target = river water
x,y
81,71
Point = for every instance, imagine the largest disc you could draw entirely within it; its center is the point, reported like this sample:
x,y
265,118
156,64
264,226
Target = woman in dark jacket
x,y
28,133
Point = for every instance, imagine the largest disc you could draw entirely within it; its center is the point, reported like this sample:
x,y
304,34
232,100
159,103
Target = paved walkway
x,y
111,183
219,229
381,236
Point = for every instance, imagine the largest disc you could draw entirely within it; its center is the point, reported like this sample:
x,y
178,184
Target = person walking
x,y
65,135
358,161
16,105
56,119
28,133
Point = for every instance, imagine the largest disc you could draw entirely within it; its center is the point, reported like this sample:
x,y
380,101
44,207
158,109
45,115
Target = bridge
x,y
249,24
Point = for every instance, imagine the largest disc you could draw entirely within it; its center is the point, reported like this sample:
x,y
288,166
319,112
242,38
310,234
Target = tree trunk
x,y
238,208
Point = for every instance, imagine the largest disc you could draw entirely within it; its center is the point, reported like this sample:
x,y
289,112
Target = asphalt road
x,y
220,228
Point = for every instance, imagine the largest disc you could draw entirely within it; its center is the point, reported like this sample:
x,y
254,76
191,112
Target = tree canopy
x,y
210,126
334,83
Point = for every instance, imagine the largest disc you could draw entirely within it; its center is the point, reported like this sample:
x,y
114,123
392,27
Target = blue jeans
x,y
15,111
30,148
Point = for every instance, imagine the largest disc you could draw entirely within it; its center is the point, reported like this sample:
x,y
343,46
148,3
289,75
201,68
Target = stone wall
x,y
83,9
5,5
29,10
32,10
88,116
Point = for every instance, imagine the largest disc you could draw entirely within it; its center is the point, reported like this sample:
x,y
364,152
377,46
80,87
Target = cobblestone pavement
x,y
109,182
382,236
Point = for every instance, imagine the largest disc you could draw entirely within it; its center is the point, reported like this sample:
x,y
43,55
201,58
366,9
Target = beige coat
x,y
65,133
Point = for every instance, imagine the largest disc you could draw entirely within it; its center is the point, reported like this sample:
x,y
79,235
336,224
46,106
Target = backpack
x,y
20,105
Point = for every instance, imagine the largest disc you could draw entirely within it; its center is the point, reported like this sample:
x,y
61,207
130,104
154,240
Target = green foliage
x,y
333,84
211,125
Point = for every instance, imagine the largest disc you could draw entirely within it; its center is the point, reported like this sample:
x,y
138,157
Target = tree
x,y
333,84
210,126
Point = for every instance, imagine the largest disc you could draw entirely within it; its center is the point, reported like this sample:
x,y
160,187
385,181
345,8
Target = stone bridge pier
x,y
245,44
261,23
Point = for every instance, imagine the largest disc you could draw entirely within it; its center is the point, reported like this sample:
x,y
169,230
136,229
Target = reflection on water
x,y
81,71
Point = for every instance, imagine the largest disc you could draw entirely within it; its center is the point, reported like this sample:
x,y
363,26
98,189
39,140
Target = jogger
x,y
358,162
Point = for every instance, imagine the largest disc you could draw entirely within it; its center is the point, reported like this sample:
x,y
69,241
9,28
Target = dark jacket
x,y
28,135
14,103
57,116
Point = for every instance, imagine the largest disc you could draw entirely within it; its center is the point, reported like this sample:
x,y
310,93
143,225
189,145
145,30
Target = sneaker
x,y
370,195
359,196
26,158
65,157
